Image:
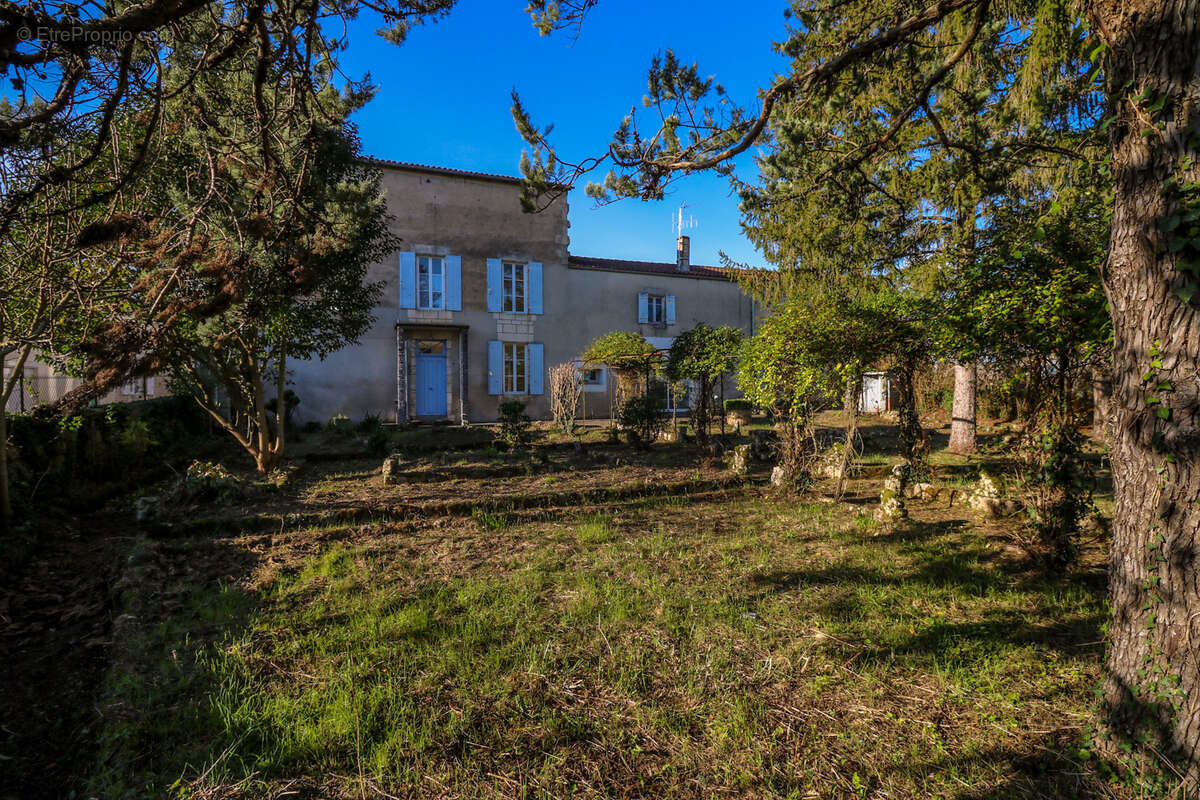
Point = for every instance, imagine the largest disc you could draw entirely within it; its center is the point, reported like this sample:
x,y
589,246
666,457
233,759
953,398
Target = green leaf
x,y
1163,412
1186,292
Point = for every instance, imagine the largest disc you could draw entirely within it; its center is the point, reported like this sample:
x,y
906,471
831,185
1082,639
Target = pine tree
x,y
1147,82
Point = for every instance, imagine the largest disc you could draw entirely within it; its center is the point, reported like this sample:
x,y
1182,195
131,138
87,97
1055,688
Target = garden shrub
x,y
515,424
80,462
642,419
378,442
370,424
206,482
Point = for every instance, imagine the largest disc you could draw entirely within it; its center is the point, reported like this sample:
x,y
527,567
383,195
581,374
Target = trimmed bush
x,y
642,418
515,424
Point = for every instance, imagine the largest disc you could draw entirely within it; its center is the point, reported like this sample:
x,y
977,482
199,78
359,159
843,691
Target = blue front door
x,y
431,379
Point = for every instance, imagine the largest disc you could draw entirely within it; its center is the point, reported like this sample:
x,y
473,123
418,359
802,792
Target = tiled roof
x,y
648,267
385,162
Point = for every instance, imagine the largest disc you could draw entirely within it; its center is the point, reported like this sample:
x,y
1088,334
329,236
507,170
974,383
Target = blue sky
x,y
444,99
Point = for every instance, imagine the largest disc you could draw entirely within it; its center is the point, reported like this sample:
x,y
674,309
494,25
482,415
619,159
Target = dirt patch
x,y
55,622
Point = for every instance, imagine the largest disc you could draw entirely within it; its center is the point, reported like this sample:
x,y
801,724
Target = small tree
x,y
1034,303
780,371
629,357
566,392
705,355
298,227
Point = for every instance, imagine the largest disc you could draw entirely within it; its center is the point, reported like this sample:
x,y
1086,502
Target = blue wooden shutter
x,y
536,368
670,309
408,279
493,286
535,287
643,307
454,283
495,367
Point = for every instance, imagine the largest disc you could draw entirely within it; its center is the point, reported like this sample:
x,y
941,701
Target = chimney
x,y
683,253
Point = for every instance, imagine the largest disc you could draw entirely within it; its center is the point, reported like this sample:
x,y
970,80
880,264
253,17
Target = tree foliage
x,y
705,355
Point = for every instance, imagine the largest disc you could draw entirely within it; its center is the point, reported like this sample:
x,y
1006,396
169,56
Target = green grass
x,y
755,648
597,529
491,520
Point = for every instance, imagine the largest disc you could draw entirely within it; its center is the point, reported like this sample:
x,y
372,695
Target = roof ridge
x,y
388,162
671,264
649,267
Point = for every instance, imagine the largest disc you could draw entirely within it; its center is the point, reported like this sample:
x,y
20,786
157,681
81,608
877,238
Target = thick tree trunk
x,y
908,422
962,416
1152,682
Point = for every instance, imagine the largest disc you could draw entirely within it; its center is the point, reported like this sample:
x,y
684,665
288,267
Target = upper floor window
x,y
513,288
431,282
656,309
592,377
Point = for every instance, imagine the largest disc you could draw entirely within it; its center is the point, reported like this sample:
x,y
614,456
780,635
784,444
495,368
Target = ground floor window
x,y
515,358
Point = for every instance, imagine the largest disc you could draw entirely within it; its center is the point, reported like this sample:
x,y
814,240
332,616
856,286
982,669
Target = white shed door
x,y
872,401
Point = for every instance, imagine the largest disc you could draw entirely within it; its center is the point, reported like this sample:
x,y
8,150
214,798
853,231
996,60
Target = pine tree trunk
x,y
962,416
1152,682
908,422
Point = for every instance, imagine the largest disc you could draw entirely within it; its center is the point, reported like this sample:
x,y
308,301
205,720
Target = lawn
x,y
729,643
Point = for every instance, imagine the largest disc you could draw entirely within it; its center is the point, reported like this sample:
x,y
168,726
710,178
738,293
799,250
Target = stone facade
x,y
468,220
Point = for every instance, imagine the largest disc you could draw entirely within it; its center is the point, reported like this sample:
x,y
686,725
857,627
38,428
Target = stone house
x,y
482,299
478,303
41,384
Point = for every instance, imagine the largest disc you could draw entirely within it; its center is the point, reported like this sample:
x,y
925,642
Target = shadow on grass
x,y
947,573
1038,769
184,601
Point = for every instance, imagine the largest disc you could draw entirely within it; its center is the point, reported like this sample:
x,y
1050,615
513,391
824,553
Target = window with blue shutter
x,y
454,283
408,280
535,288
495,367
643,307
493,285
516,367
431,282
670,309
536,368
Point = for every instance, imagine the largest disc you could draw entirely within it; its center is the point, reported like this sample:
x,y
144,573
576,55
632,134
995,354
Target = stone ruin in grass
x,y
987,498
891,499
392,469
738,459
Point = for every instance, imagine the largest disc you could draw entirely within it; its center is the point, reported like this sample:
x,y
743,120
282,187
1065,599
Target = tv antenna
x,y
680,224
